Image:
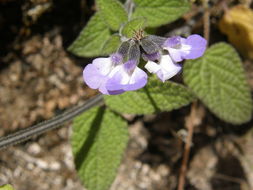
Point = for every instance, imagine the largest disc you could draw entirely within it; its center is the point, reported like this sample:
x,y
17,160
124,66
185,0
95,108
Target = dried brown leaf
x,y
237,24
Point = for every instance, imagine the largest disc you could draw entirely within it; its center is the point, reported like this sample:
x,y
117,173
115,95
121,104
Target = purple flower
x,y
120,72
110,76
185,48
96,74
165,69
127,77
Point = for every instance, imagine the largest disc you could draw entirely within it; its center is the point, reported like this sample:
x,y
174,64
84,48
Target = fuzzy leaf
x,y
111,45
132,26
160,12
218,79
113,13
92,38
155,97
98,141
6,187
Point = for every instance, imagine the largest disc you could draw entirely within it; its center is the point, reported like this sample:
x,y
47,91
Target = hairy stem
x,y
129,6
27,133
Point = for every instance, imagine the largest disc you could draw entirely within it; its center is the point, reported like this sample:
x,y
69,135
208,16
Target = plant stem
x,y
206,20
190,127
35,130
129,6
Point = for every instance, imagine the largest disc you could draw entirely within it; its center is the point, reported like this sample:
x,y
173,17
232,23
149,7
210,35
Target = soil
x,y
40,78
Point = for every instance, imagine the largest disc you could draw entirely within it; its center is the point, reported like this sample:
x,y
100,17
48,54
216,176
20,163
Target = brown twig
x,y
190,119
229,178
190,127
206,20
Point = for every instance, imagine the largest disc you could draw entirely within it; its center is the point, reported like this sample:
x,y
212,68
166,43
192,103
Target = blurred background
x,y
40,78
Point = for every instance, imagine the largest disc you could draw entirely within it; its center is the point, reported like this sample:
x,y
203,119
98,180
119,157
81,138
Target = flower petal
x,y
104,65
124,81
118,77
190,48
198,46
160,75
103,89
152,67
173,42
92,77
138,80
175,48
176,54
168,68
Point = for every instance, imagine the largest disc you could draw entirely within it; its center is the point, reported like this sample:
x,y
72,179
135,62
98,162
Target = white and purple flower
x,y
165,66
110,76
120,72
165,69
185,48
127,77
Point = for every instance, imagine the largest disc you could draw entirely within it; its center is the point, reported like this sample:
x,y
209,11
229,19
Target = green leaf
x,y
160,12
98,141
6,187
92,38
111,45
113,13
132,26
155,97
218,79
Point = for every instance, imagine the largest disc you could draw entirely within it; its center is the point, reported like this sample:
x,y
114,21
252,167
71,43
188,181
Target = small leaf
x,y
160,12
132,26
6,187
218,79
98,141
111,45
113,13
155,97
92,38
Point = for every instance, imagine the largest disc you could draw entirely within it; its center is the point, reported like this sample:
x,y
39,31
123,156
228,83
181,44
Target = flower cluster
x,y
120,72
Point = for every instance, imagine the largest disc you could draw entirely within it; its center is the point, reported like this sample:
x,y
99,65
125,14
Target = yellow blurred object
x,y
237,24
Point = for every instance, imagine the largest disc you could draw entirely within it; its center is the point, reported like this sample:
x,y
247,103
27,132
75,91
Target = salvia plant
x,y
132,71
215,76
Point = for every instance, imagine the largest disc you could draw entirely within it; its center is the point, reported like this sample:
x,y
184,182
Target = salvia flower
x,y
185,48
127,77
112,76
165,69
120,72
99,71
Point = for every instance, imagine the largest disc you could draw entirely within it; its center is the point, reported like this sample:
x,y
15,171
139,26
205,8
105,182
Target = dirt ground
x,y
39,78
